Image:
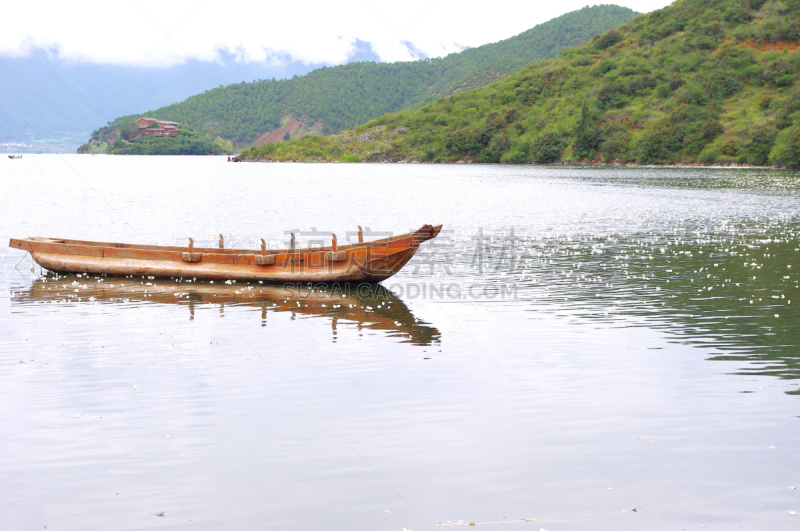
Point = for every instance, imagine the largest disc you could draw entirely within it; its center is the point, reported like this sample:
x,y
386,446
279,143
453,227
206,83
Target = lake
x,y
580,348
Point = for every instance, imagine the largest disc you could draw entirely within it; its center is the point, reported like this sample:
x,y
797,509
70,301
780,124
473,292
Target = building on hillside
x,y
157,128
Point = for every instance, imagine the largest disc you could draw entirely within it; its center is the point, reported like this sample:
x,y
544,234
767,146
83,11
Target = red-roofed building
x,y
157,128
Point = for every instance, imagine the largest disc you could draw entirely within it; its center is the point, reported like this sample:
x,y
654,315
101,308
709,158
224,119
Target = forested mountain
x,y
330,99
701,81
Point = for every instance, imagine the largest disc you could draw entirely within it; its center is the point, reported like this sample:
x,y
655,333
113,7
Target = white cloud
x,y
159,33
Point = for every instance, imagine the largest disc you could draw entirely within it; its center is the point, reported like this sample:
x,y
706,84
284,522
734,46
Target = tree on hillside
x,y
128,129
585,133
211,128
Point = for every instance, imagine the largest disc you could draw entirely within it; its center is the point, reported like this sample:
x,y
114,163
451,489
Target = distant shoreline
x,y
561,163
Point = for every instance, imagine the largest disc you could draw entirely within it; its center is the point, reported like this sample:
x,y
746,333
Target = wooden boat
x,y
361,262
365,307
15,156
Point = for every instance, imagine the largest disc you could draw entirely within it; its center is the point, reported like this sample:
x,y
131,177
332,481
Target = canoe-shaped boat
x,y
360,262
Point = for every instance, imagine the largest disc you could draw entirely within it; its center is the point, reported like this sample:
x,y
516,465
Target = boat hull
x,y
363,262
374,272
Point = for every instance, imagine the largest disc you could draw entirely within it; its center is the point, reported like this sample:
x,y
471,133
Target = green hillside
x,y
701,81
328,100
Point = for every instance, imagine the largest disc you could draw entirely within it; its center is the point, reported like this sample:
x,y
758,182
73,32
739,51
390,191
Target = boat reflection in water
x,y
368,306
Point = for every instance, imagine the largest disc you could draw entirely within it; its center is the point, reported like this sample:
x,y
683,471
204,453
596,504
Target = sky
x,y
158,33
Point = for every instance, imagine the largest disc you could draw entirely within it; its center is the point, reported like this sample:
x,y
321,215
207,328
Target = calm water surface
x,y
579,349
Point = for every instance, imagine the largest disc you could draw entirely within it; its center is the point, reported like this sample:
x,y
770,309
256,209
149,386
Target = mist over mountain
x,y
47,101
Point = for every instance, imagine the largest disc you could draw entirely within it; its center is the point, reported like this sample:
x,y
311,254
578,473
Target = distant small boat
x,y
15,156
361,262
